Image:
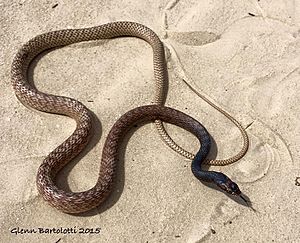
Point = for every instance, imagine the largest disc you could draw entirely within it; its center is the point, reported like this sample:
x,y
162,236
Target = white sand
x,y
249,65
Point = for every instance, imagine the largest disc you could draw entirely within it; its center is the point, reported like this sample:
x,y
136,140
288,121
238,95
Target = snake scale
x,y
71,202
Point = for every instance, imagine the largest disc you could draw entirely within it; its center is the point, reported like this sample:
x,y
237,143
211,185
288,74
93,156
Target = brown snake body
x,y
65,152
71,202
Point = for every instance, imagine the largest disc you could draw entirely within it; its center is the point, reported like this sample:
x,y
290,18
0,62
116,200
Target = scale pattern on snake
x,y
65,152
52,39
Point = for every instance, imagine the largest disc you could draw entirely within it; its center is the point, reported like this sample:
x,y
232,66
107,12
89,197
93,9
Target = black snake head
x,y
227,185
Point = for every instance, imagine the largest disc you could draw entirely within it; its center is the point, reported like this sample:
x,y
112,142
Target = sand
x,y
243,55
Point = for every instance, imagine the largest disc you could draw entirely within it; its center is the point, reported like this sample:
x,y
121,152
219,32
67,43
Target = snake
x,y
78,202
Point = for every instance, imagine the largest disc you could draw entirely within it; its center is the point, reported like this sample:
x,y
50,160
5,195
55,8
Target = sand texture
x,y
243,55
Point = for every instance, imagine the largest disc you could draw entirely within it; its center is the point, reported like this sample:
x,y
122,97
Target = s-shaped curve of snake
x,y
29,95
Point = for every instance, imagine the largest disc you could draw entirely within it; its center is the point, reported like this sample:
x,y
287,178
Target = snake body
x,y
71,202
78,202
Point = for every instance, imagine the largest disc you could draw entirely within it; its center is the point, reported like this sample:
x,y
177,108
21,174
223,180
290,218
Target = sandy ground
x,y
244,55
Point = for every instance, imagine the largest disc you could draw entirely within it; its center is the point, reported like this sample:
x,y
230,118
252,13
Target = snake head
x,y
227,185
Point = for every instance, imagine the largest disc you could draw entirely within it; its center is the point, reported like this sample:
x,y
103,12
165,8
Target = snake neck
x,y
200,174
207,176
215,177
196,165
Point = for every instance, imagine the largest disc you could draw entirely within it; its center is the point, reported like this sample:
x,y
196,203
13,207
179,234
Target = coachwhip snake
x,y
78,202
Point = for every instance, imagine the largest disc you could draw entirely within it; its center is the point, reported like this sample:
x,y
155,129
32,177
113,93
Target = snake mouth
x,y
234,193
